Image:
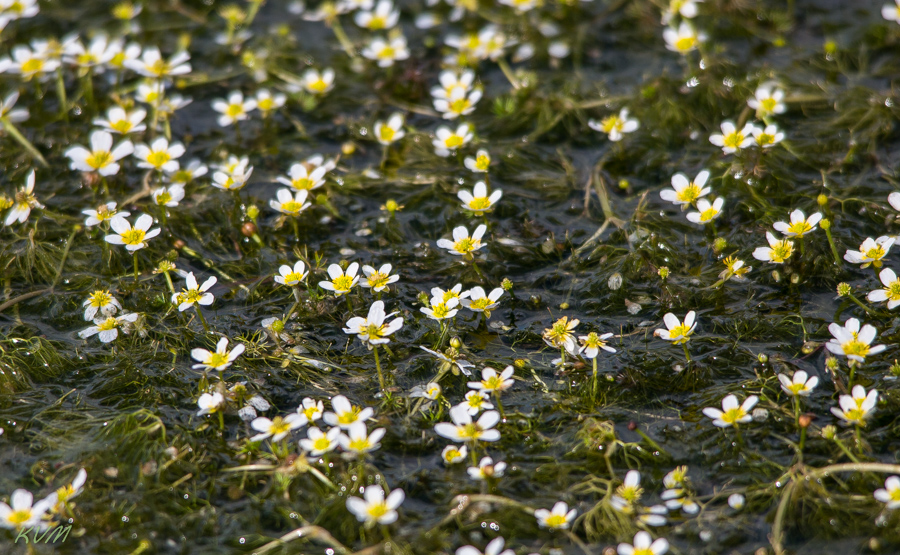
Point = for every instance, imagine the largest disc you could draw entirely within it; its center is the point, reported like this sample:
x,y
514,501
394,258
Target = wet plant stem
x,y
687,354
203,320
846,451
62,261
500,406
61,95
594,386
135,257
342,38
859,303
26,144
834,251
508,72
378,367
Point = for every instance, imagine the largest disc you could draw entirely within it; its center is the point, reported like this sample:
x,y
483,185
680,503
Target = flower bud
x,y
805,420
843,289
391,206
663,272
825,224
248,229
253,212
506,284
348,148
832,363
615,281
762,358
720,244
829,432
520,363
456,343
822,199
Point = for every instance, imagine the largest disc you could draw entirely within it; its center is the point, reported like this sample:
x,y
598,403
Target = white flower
x,y
430,391
235,108
11,10
311,409
372,330
615,126
317,82
460,103
24,513
107,329
452,81
447,141
97,54
558,518
800,225
767,100
266,102
870,252
736,501
629,493
476,401
592,343
851,341
453,454
192,294
890,493
318,442
778,251
678,332
168,196
891,291
103,213
375,509
439,309
290,204
119,121
855,408
303,178
28,63
891,13
731,139
684,39
210,403
151,64
464,429
292,276
133,237
732,413
277,429
493,382
386,52
100,301
521,6
767,137
495,547
218,360
478,200
390,132
706,212
384,16
453,360
346,414
644,545
151,93
23,202
378,280
358,440
160,155
70,491
479,301
7,112
685,192
102,157
486,469
480,163
798,384
123,53
185,175
341,282
463,244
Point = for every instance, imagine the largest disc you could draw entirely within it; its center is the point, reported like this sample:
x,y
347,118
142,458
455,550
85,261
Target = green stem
x,y
169,281
687,354
846,451
254,9
500,406
378,367
508,72
202,318
834,251
135,256
61,95
594,389
65,255
26,144
342,37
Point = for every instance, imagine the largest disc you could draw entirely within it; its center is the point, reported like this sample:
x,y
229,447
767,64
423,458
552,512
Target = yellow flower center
x,y
99,159
480,203
492,383
731,416
855,347
217,360
342,283
855,415
318,85
158,159
708,214
19,517
378,280
109,324
64,493
292,207
796,388
480,304
122,126
32,65
454,454
768,104
465,245
875,253
377,22
164,197
349,417
689,194
630,493
475,401
642,551
734,140
470,431
159,68
799,228
555,521
893,291
460,105
453,141
265,104
292,278
765,139
482,162
782,251
191,296
440,310
234,110
387,133
310,412
100,298
279,426
451,295
686,44
377,510
681,332
610,123
322,444
86,59
182,176
124,10
359,444
118,59
133,236
387,53
894,494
